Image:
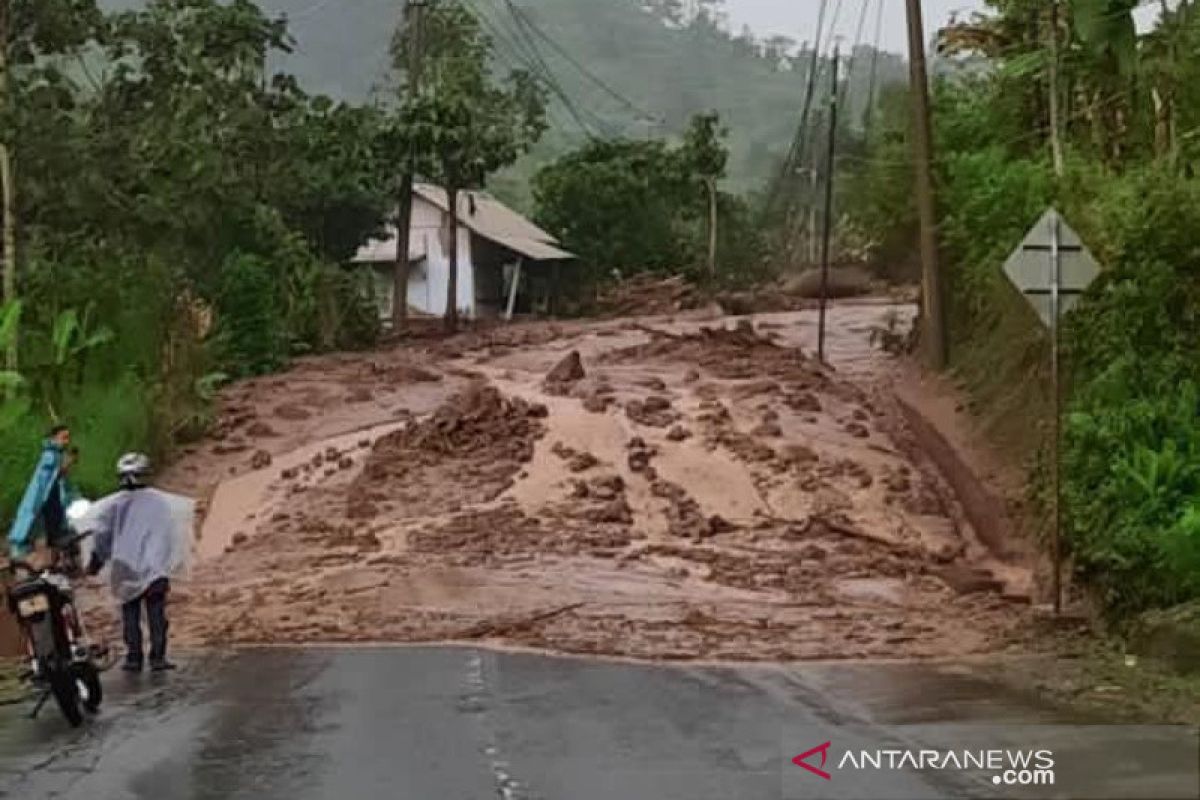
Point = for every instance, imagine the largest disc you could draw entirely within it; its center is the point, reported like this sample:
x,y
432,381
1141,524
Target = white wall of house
x,y
428,280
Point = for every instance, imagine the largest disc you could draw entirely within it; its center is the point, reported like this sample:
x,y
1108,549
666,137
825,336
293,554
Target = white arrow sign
x,y
1051,254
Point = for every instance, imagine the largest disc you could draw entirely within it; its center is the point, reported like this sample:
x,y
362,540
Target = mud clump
x,y
769,429
478,420
292,412
684,517
260,460
596,403
653,412
261,430
678,434
565,375
474,443
577,461
640,454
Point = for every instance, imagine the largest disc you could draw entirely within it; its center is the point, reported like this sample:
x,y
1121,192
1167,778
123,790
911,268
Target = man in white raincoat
x,y
146,535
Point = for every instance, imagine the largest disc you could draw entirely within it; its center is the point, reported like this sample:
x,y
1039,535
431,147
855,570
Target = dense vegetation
x,y
625,205
178,210
1129,122
662,67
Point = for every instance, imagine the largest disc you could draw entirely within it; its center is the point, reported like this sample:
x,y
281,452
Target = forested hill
x,y
667,71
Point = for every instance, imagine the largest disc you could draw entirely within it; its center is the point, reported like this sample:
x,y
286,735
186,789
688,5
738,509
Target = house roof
x,y
485,216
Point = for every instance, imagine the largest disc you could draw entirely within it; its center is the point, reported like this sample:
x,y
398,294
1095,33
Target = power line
x,y
796,149
534,65
587,73
858,36
549,76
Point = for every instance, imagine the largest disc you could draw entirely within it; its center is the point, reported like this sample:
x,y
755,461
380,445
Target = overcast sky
x,y
798,18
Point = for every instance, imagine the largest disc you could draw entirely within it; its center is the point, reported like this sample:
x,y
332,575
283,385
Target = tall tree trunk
x,y
400,276
8,238
452,283
711,183
413,12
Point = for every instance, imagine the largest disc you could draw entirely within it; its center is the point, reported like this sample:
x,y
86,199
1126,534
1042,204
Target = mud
x,y
659,489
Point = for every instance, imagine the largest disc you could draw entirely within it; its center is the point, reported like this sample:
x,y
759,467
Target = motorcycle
x,y
63,662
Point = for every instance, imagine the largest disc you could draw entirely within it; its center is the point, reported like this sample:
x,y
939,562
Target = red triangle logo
x,y
802,760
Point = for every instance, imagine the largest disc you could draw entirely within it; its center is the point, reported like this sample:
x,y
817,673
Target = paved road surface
x,y
469,724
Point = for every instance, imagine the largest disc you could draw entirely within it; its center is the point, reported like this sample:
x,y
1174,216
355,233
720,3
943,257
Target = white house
x,y
499,251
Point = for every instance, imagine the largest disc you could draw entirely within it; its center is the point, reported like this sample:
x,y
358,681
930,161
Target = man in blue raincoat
x,y
44,504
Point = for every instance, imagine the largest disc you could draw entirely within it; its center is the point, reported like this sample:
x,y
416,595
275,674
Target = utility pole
x,y
8,238
931,284
828,230
1056,149
414,11
870,113
710,183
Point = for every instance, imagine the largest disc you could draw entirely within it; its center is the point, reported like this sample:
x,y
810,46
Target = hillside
x,y
667,72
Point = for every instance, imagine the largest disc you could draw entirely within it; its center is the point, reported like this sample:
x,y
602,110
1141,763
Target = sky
x,y
798,18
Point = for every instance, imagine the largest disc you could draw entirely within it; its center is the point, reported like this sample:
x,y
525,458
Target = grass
x,y
12,688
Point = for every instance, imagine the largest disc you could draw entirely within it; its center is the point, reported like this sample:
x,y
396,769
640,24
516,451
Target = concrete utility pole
x,y
934,334
827,232
414,11
1056,149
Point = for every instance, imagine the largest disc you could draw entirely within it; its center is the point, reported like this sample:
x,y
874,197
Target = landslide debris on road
x,y
694,492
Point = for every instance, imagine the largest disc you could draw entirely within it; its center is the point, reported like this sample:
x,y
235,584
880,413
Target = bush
x,y
348,316
252,338
1132,448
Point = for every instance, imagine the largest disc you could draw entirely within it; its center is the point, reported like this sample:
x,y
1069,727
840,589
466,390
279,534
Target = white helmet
x,y
133,465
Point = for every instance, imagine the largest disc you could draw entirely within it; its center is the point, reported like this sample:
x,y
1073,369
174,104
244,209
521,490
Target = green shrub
x,y
252,338
348,316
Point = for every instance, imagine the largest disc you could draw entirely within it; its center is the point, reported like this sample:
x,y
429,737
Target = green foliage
x,y
620,204
348,317
628,205
251,327
1131,445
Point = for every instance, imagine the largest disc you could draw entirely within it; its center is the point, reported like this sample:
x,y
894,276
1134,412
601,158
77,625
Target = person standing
x,y
43,506
138,530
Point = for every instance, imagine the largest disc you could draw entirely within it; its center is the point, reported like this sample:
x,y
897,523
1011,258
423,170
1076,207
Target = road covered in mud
x,y
666,489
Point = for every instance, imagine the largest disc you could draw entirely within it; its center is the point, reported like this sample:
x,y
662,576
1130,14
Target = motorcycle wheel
x,y
91,693
66,694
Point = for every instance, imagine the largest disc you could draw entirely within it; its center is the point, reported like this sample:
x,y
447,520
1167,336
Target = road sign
x,y
1052,269
1051,250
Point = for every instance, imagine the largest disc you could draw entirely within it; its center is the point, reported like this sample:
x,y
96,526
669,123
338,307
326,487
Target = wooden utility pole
x,y
827,232
414,11
934,334
8,238
1056,149
710,183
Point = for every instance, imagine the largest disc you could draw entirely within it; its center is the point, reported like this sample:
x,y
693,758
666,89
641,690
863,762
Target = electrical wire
x,y
516,56
583,70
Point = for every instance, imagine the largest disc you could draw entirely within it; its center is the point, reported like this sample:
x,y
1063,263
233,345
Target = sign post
x,y
1052,268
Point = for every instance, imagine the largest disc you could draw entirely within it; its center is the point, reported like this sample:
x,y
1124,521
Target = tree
x,y
639,205
705,155
463,124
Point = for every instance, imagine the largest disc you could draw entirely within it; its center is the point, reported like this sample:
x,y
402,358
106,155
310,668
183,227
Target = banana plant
x,y
14,398
72,338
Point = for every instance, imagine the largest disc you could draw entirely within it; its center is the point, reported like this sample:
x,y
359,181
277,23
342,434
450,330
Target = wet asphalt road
x,y
470,724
